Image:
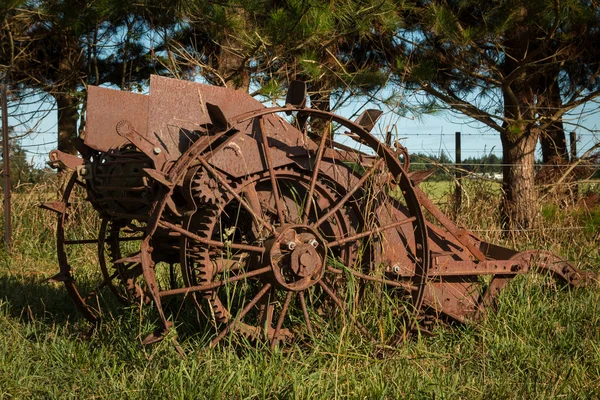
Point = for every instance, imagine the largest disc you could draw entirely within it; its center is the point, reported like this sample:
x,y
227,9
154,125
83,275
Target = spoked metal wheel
x,y
87,248
289,252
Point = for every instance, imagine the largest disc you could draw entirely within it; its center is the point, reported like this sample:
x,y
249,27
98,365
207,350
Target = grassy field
x,y
543,341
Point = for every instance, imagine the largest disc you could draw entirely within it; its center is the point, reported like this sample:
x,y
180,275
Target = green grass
x,y
543,341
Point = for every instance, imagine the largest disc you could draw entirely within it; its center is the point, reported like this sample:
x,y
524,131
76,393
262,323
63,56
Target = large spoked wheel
x,y
289,252
296,260
87,248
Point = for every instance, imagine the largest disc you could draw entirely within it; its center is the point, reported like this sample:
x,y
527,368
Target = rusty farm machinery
x,y
262,226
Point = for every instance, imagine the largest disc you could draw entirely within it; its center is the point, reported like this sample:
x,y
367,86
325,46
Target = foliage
x,y
334,46
57,47
22,172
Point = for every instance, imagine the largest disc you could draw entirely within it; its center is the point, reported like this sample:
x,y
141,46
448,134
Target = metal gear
x,y
127,268
207,189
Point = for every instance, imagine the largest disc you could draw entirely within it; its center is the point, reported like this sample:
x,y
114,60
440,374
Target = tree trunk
x,y
67,122
232,66
552,139
518,207
231,57
320,99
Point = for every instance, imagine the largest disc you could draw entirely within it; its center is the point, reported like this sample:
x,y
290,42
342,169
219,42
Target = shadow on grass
x,y
37,300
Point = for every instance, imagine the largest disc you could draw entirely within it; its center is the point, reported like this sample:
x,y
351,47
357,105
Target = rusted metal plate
x,y
105,109
178,112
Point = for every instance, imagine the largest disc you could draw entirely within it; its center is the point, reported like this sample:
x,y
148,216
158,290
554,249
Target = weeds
x,y
541,342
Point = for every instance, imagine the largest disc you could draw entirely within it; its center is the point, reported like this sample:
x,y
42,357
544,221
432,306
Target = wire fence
x,y
428,151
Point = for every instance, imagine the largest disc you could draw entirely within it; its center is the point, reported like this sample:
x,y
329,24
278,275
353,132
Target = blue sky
x,y
429,134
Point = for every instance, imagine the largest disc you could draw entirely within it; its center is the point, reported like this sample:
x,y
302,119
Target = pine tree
x,y
58,47
500,62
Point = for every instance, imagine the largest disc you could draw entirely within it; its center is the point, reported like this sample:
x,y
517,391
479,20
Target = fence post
x,y
6,156
458,174
573,151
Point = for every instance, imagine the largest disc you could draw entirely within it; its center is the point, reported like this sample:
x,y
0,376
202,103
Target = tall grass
x,y
543,341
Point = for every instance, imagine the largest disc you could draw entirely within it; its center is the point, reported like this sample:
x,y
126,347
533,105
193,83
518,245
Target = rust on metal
x,y
267,228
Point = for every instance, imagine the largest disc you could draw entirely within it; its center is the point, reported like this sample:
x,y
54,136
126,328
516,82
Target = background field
x,y
543,341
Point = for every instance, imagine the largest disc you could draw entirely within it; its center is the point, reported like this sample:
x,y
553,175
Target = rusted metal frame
x,y
541,260
241,315
348,195
281,318
236,196
305,313
209,242
60,159
126,130
315,175
488,267
339,303
272,176
370,232
458,233
214,285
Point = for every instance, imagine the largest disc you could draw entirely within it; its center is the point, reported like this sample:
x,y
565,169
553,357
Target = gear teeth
x,y
134,291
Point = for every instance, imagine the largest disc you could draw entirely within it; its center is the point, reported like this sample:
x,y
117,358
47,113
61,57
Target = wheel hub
x,y
297,256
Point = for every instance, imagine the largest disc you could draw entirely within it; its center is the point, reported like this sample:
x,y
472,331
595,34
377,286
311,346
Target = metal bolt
x,y
396,269
291,245
157,150
313,243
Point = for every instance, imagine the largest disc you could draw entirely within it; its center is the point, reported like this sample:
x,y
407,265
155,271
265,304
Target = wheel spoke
x,y
269,161
241,315
214,285
349,194
305,313
209,242
370,232
360,275
93,241
284,310
313,178
100,286
267,307
236,196
251,195
339,303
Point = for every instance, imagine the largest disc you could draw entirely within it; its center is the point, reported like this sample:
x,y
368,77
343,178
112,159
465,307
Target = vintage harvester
x,y
263,222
